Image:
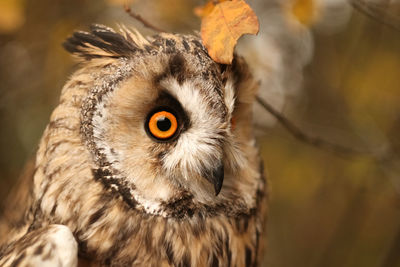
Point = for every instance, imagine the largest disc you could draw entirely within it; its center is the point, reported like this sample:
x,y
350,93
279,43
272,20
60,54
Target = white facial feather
x,y
229,96
200,146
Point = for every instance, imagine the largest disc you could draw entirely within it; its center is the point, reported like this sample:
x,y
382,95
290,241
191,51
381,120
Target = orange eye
x,y
162,125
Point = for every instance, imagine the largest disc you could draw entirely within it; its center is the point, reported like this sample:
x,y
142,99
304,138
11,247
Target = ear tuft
x,y
101,42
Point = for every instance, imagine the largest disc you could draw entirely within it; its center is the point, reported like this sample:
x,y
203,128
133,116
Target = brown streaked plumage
x,y
107,190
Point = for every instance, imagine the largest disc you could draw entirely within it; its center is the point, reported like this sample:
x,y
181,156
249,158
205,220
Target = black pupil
x,y
163,123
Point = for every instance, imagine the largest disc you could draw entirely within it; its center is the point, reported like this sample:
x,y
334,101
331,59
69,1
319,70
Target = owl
x,y
149,159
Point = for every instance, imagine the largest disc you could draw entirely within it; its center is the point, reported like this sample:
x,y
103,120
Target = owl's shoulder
x,y
52,245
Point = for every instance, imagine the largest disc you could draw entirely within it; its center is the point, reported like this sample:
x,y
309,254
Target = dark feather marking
x,y
126,194
177,68
245,225
97,215
58,125
248,256
180,206
82,247
39,250
123,237
16,262
223,67
71,45
161,155
53,209
170,46
84,38
219,244
163,233
241,224
106,177
101,173
198,227
55,172
205,75
185,260
198,44
214,261
37,211
109,36
257,247
169,251
186,45
148,238
158,41
228,251
51,148
148,48
101,37
170,42
48,255
118,42
107,261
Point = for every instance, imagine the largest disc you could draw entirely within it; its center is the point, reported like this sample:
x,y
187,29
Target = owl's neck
x,y
131,238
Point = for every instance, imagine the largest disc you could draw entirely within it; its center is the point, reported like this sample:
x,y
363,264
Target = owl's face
x,y
162,120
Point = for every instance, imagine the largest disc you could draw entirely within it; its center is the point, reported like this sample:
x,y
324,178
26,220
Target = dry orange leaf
x,y
226,23
205,10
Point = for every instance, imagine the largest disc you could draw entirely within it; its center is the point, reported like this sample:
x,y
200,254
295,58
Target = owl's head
x,y
164,123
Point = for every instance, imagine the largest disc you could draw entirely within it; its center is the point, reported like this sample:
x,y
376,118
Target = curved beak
x,y
216,177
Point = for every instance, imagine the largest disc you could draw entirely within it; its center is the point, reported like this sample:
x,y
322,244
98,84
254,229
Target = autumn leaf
x,y
205,10
226,23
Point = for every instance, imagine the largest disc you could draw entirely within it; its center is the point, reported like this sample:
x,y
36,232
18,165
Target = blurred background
x,y
330,66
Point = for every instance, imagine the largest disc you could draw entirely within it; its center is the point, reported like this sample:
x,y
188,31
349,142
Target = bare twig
x,y
142,20
377,13
300,135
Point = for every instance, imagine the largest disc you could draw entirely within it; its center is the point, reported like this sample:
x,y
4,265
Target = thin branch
x,y
142,20
300,135
377,13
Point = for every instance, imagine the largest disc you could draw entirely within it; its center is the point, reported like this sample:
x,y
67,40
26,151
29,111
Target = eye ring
x,y
162,124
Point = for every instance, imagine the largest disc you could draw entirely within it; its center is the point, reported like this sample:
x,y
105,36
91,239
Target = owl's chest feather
x,y
157,241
